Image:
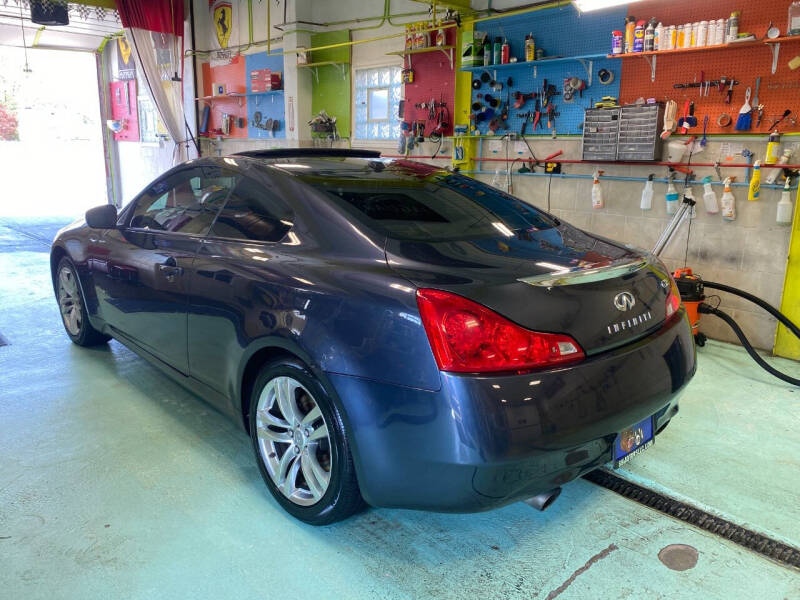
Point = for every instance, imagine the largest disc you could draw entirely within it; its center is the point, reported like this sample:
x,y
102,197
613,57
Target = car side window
x,y
253,212
184,202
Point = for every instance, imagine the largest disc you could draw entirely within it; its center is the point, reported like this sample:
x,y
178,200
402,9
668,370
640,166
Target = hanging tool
x,y
724,120
729,95
526,116
747,156
744,120
702,82
759,114
520,99
704,141
786,113
537,115
670,111
688,120
716,168
755,96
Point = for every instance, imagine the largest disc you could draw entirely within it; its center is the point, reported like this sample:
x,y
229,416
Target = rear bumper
x,y
481,442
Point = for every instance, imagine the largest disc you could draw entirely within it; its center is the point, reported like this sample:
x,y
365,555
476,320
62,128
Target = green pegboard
x,y
332,92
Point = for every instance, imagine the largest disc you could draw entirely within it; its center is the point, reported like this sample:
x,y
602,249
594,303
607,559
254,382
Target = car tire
x,y
304,457
72,305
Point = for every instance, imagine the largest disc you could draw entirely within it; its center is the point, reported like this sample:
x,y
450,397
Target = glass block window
x,y
377,99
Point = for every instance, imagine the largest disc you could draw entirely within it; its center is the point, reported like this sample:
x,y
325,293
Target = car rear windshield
x,y
412,201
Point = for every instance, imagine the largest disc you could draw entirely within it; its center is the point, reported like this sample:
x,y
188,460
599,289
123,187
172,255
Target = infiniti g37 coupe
x,y
387,332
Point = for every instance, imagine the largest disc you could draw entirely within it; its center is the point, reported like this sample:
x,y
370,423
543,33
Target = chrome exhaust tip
x,y
543,500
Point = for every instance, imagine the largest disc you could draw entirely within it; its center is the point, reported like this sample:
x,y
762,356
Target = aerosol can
x,y
647,194
672,198
728,202
785,206
597,191
710,197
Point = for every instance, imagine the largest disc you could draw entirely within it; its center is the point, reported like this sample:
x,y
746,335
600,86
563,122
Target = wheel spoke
x,y
321,474
283,467
314,414
72,318
289,484
284,390
283,437
63,278
316,485
319,433
270,419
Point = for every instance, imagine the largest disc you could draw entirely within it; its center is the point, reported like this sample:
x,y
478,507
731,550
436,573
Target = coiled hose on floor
x,y
755,300
710,310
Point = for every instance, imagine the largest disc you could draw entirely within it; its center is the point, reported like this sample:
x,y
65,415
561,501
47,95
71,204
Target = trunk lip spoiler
x,y
590,274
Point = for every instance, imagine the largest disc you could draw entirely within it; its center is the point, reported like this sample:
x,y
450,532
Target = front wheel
x,y
301,446
73,307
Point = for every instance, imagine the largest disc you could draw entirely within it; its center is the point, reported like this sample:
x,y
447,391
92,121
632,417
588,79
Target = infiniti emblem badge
x,y
624,301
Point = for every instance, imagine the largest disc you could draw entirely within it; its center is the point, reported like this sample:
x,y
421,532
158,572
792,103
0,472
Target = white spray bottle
x,y
785,206
647,194
728,202
672,197
710,197
597,191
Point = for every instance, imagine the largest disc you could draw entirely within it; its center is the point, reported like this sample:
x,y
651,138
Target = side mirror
x,y
102,217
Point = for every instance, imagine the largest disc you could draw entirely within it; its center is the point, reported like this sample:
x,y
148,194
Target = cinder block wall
x,y
749,253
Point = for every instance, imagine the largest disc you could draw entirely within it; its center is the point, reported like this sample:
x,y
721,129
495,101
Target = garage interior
x,y
118,482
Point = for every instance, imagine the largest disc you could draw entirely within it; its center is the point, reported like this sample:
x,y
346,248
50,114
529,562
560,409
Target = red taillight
x,y
673,298
469,338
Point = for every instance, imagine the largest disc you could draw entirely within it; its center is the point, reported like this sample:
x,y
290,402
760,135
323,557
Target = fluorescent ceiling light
x,y
590,5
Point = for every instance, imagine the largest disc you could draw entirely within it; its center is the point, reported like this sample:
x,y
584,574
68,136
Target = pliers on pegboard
x,y
537,115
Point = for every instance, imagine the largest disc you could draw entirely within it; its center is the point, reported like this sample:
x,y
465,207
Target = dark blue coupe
x,y
386,331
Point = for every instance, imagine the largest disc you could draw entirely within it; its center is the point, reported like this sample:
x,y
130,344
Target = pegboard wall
x,y
562,32
434,79
233,76
745,63
269,105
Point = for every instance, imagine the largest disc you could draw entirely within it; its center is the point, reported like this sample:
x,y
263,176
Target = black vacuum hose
x,y
755,300
707,309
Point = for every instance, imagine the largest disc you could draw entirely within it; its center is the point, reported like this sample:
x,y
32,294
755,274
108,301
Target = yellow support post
x,y
786,344
462,108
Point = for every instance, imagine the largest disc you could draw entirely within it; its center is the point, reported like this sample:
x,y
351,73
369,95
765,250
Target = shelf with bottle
x,y
446,50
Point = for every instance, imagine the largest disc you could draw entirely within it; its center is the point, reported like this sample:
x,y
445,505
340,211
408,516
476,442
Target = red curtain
x,y
162,16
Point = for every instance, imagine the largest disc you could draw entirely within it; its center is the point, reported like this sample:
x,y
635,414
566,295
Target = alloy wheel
x,y
294,441
69,300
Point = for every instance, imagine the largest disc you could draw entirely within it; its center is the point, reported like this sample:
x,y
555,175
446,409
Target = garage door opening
x,y
51,146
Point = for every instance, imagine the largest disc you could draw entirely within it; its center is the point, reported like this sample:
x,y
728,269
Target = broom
x,y
744,120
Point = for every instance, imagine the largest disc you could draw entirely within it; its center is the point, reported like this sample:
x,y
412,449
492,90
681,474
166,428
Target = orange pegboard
x,y
747,62
233,77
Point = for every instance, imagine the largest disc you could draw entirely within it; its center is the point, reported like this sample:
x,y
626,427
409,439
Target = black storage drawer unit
x,y
639,127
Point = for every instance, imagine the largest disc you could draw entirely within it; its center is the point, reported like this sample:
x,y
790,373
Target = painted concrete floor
x,y
117,483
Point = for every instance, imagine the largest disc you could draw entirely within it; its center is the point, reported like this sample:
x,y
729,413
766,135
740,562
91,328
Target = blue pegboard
x,y
560,31
269,104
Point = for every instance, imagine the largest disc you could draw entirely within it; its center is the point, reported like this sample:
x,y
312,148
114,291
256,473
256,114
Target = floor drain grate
x,y
3,341
686,512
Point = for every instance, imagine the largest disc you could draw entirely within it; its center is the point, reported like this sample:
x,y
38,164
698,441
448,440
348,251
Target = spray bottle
x,y
773,145
785,206
775,173
728,202
597,191
647,194
710,197
755,182
672,197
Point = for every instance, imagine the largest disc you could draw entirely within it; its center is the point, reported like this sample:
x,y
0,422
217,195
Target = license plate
x,y
632,441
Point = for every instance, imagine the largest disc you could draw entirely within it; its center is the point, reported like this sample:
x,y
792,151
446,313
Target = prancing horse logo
x,y
624,301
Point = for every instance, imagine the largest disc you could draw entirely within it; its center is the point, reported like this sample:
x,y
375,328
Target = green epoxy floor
x,y
116,483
